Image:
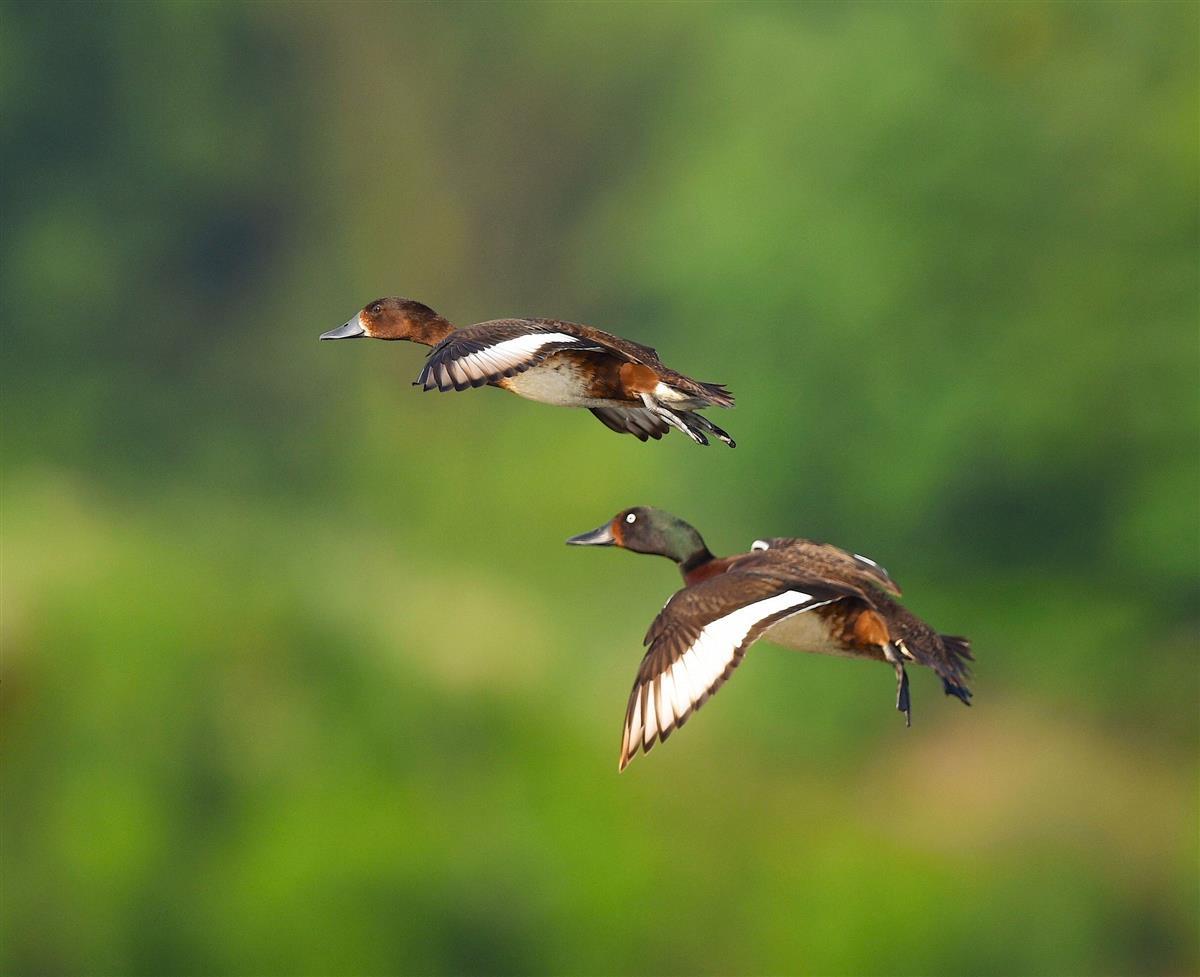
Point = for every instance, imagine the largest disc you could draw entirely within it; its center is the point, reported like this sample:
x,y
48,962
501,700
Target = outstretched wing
x,y
492,350
697,641
486,352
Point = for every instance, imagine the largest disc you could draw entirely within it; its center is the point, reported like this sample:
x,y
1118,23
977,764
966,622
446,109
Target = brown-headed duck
x,y
623,383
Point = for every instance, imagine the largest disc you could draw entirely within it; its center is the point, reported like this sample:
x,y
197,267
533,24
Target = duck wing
x,y
487,352
624,349
701,636
828,560
638,421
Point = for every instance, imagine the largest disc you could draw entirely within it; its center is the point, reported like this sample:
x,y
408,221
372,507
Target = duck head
x,y
394,318
645,529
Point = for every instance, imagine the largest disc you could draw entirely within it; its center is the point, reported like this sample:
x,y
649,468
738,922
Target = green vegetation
x,y
298,676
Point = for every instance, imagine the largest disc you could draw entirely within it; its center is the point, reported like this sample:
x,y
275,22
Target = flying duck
x,y
623,383
801,594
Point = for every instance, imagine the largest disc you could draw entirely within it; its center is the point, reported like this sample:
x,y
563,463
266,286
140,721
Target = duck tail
x,y
718,394
953,667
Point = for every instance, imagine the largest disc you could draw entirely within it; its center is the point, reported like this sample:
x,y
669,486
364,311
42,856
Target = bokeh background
x,y
298,676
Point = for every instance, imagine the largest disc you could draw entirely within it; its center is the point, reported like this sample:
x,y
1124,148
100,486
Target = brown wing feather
x,y
825,559
489,351
632,420
626,349
700,637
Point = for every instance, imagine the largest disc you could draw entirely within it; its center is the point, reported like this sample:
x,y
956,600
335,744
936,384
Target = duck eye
x,y
376,309
631,518
757,545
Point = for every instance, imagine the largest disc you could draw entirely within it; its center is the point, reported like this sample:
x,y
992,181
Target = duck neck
x,y
686,547
702,567
430,330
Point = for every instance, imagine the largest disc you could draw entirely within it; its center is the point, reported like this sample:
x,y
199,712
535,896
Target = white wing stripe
x,y
707,670
520,348
662,701
685,681
484,362
496,359
699,668
650,726
635,724
684,693
679,701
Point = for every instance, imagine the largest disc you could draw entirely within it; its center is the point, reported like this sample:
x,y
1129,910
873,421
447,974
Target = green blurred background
x,y
298,676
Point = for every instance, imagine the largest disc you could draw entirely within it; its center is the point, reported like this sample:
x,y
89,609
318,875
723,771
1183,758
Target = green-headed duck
x,y
797,593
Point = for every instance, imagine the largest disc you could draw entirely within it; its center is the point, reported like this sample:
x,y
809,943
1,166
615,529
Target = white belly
x,y
553,382
805,632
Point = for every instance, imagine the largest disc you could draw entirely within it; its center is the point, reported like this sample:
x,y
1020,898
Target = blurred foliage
x,y
297,674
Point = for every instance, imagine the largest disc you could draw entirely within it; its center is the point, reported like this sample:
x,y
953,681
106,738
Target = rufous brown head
x,y
394,318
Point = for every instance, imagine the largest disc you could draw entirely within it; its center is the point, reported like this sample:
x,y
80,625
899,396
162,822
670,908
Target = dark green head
x,y
644,529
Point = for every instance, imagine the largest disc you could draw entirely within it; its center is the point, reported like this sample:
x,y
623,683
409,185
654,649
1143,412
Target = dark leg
x,y
902,702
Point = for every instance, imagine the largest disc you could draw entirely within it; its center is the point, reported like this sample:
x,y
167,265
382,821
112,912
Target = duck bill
x,y
351,330
597,537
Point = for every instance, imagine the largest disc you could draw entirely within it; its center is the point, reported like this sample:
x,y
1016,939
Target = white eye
x,y
631,518
757,545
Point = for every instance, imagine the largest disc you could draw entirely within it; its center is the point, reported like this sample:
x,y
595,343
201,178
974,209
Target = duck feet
x,y
677,421
902,701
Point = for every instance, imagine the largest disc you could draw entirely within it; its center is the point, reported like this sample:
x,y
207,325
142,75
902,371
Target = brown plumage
x,y
623,383
829,561
798,593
